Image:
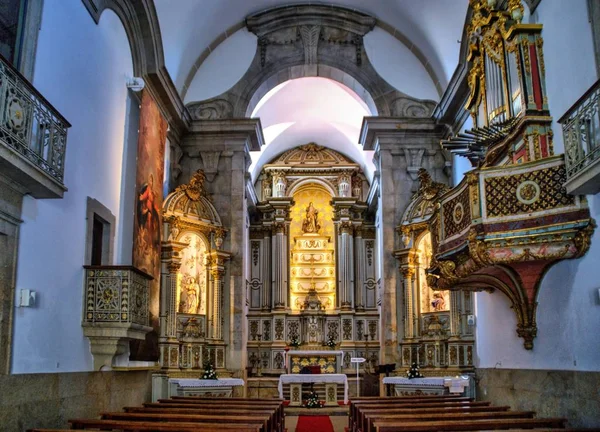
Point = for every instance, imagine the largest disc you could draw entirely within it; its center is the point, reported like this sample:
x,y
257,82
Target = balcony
x,y
116,310
33,136
581,132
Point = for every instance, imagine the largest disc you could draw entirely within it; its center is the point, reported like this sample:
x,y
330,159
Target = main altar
x,y
312,279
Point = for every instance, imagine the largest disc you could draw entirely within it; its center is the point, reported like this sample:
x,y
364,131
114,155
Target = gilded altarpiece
x,y
193,269
436,331
313,266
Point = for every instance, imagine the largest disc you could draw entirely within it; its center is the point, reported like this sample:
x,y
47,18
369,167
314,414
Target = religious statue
x,y
438,303
310,224
190,304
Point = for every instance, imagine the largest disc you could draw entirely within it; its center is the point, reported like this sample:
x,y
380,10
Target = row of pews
x,y
439,413
187,414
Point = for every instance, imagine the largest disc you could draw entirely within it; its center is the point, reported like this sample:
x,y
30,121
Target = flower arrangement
x,y
294,342
209,372
414,372
313,400
331,343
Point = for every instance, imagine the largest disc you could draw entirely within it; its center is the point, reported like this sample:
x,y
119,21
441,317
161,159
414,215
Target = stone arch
x,y
310,40
141,26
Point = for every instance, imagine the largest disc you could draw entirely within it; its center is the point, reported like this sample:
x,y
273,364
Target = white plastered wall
x,y
568,315
81,68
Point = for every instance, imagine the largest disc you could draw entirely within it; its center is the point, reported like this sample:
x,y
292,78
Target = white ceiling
x,y
189,26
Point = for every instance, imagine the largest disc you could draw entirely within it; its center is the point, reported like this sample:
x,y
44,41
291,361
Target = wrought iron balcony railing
x,y
581,133
116,294
31,126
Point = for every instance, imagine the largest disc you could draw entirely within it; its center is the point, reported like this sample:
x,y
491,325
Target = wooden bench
x,y
209,403
425,411
140,426
468,425
356,407
369,419
268,421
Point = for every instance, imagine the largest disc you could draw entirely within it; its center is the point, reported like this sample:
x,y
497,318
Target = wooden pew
x,y
140,426
356,406
468,425
370,419
238,404
360,423
233,417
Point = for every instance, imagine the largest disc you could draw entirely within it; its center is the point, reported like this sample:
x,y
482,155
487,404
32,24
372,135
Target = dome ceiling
x,y
190,26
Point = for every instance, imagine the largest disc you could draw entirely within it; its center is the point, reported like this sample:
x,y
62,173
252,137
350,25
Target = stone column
x,y
280,265
359,269
402,146
168,344
455,311
11,200
266,297
408,274
346,264
278,210
222,148
216,266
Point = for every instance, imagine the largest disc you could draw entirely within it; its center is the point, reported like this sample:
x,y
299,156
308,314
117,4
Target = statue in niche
x,y
310,224
439,303
190,304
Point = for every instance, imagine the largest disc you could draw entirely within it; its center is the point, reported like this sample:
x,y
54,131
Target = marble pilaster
x,y
402,146
232,139
170,264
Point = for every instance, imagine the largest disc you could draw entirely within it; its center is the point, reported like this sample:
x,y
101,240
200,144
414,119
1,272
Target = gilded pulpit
x,y
510,219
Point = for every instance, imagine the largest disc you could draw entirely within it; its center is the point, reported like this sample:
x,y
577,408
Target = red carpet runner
x,y
314,424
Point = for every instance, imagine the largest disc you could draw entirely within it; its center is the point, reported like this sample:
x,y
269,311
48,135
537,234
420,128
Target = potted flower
x,y
331,343
414,372
294,342
313,400
209,372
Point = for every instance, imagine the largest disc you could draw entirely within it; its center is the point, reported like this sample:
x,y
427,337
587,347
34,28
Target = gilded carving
x,y
502,194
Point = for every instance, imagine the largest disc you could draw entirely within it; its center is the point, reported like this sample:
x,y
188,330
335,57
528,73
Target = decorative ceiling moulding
x,y
288,49
276,19
402,38
141,26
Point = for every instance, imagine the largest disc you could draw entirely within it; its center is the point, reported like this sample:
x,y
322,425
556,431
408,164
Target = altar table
x,y
222,387
296,380
434,385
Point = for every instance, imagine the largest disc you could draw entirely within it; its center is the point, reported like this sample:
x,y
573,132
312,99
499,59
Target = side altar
x,y
329,361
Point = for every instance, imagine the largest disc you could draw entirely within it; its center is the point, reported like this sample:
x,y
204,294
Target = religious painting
x,y
431,301
191,296
148,215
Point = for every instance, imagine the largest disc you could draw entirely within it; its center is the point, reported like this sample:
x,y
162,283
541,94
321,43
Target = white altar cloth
x,y
454,384
313,378
414,381
457,384
221,382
